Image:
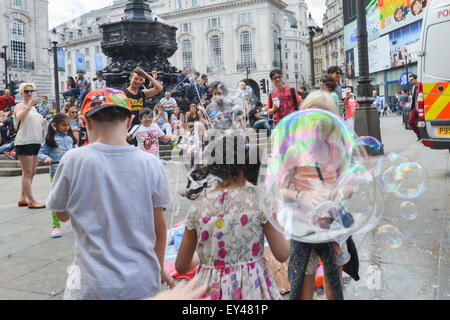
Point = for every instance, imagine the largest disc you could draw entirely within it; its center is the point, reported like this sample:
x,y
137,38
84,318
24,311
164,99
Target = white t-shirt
x,y
167,102
148,138
109,193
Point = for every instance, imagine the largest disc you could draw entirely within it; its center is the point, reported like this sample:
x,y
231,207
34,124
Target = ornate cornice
x,y
18,14
219,6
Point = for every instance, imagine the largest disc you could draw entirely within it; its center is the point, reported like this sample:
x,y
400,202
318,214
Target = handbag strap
x,y
319,172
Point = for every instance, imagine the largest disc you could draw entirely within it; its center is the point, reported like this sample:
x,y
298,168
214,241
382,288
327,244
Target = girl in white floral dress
x,y
226,229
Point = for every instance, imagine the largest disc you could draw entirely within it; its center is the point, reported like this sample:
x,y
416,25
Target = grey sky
x,y
317,8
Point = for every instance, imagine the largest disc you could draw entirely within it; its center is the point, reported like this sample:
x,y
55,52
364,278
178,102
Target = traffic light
x,y
14,88
262,85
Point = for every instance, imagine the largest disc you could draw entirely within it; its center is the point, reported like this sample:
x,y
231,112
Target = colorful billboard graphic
x,y
350,63
379,57
395,14
373,29
404,44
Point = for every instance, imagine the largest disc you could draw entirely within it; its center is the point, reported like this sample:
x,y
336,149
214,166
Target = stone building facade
x,y
228,40
329,46
22,30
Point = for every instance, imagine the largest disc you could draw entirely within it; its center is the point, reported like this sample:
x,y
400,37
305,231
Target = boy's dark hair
x,y
274,72
111,114
334,69
329,83
50,137
414,76
304,88
258,104
138,71
144,112
226,171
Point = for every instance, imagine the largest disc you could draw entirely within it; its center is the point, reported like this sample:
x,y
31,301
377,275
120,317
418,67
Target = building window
x,y
18,4
186,27
246,48
214,23
194,3
18,44
97,49
216,51
243,18
177,4
88,66
87,51
186,49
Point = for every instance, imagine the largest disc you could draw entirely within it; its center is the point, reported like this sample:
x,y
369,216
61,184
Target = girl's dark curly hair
x,y
248,165
50,137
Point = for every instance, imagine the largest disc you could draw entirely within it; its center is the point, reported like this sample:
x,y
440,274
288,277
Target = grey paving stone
x,y
48,280
11,294
15,267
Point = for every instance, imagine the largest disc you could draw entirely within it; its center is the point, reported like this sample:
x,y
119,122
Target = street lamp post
x,y
313,30
4,56
367,119
296,81
279,49
55,73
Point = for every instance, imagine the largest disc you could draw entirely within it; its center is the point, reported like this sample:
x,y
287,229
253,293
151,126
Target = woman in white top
x,y
28,142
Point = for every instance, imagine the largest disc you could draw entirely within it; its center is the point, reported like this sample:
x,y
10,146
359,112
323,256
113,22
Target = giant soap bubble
x,y
315,185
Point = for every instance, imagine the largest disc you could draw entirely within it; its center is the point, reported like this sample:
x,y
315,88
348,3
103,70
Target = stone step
x,y
14,172
14,163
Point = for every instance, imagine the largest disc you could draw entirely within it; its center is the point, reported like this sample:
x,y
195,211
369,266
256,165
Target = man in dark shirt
x,y
183,81
136,96
303,92
257,121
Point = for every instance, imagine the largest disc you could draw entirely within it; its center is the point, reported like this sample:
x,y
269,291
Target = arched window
x,y
18,44
186,49
246,48
216,51
276,53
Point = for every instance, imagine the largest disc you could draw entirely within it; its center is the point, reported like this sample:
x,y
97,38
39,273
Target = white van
x,y
434,76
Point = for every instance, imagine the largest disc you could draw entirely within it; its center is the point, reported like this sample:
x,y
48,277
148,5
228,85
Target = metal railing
x,y
23,65
243,66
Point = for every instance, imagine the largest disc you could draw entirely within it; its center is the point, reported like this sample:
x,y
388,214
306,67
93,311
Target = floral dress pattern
x,y
230,244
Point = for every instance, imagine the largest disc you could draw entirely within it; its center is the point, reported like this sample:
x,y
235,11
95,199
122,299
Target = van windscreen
x,y
437,52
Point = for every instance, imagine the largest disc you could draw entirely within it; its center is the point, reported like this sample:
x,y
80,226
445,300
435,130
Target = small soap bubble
x,y
390,236
408,210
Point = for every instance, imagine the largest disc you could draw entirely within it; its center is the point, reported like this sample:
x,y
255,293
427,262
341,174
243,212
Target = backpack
x,y
293,95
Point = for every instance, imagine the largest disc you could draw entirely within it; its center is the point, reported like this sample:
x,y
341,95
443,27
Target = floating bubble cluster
x,y
316,185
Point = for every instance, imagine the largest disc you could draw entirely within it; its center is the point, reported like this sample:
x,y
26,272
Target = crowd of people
x,y
128,228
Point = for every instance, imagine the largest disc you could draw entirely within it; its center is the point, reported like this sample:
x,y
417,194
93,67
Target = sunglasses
x,y
276,78
74,112
29,91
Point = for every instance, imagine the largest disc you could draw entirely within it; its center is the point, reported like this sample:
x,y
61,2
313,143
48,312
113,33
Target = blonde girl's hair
x,y
76,109
319,100
24,85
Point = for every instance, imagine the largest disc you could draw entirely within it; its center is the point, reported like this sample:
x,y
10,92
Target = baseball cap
x,y
100,99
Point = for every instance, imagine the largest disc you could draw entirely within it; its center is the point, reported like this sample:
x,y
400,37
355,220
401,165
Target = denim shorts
x,y
28,150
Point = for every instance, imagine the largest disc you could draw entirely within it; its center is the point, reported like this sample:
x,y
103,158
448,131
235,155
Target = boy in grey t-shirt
x,y
114,195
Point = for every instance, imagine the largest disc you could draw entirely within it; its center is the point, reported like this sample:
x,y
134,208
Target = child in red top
x,y
352,104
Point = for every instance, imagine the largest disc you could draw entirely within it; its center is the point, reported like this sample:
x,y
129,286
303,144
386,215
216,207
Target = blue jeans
x,y
83,95
187,88
263,124
7,147
74,93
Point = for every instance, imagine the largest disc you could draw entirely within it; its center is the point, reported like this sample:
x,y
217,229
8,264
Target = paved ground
x,y
34,266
